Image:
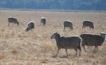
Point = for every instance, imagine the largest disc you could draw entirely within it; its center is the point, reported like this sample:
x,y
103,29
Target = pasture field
x,y
35,47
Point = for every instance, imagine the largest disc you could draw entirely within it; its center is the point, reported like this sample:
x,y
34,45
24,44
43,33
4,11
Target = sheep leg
x,y
79,50
83,27
70,28
95,49
8,24
57,51
66,52
76,51
17,24
64,29
84,48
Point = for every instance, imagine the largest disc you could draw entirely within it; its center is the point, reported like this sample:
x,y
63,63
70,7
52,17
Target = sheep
x,y
92,40
88,24
43,21
30,26
68,24
74,42
12,20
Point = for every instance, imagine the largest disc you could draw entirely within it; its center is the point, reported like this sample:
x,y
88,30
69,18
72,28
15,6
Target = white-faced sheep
x,y
68,24
30,26
12,20
43,21
74,42
88,24
92,40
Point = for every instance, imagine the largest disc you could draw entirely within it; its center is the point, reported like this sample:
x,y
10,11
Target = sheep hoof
x,y
94,51
54,56
79,54
64,56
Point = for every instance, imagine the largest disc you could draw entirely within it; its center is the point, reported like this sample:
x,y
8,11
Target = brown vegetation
x,y
35,47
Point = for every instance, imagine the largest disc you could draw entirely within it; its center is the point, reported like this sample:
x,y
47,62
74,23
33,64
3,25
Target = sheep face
x,y
43,21
102,34
17,23
55,35
27,29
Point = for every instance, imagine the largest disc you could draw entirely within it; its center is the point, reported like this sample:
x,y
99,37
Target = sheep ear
x,y
56,32
101,33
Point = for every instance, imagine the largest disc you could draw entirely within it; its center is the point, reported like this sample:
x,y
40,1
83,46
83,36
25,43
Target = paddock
x,y
35,47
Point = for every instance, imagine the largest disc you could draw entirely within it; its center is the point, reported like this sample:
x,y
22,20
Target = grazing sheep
x,y
92,40
43,21
30,26
12,20
88,24
68,24
74,42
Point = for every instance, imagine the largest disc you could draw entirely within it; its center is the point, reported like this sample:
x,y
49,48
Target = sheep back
x,y
68,24
88,24
43,21
92,40
13,20
30,26
70,42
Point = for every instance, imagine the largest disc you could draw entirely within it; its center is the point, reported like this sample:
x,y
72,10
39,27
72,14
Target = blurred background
x,y
54,4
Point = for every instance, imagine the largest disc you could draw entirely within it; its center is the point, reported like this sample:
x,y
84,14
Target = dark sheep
x,y
74,42
12,20
30,26
88,24
92,40
43,21
68,24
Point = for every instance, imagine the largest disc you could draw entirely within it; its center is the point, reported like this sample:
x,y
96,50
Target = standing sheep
x,y
30,26
88,24
68,24
92,40
74,42
12,20
43,21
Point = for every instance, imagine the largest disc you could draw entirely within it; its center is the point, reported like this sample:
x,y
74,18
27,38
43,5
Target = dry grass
x,y
35,47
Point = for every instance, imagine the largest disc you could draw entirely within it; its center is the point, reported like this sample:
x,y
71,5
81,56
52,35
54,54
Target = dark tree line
x,y
55,4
